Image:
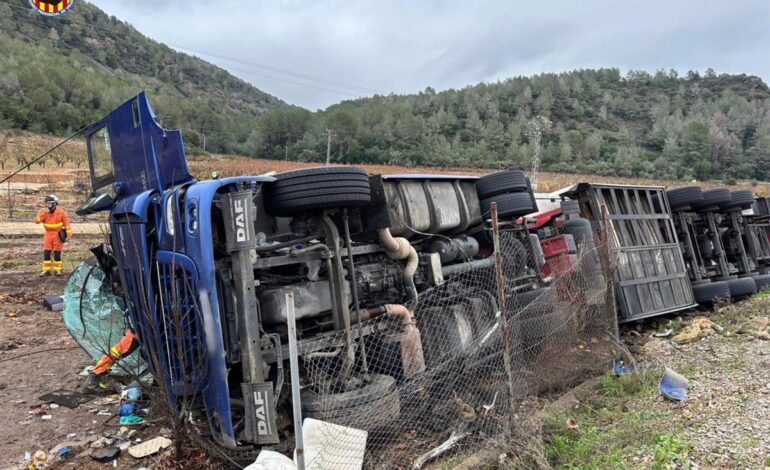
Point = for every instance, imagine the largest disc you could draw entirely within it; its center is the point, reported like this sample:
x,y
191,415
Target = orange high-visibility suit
x,y
127,344
53,222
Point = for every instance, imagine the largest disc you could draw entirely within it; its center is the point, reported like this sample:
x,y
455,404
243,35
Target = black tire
x,y
762,281
714,197
570,207
502,183
536,315
580,229
537,318
706,294
742,199
317,188
684,197
372,406
509,205
741,287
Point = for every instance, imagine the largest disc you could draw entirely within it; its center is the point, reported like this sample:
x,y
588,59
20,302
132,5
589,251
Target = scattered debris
x,y
46,417
39,457
271,460
54,302
11,315
150,447
664,334
67,398
699,327
102,442
572,424
106,454
454,438
688,334
129,420
673,385
127,409
619,367
328,439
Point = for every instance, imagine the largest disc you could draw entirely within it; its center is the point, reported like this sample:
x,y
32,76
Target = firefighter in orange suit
x,y
54,219
125,346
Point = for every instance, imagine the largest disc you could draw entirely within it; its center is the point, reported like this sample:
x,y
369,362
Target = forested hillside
x,y
58,74
661,126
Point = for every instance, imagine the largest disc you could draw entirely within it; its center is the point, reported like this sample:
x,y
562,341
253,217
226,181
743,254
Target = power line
x,y
44,154
280,70
270,68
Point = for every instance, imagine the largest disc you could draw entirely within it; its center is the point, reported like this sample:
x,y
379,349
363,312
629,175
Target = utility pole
x,y
537,126
329,133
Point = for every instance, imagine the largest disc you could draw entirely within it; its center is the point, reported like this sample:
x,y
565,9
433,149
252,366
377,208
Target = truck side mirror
x,y
96,203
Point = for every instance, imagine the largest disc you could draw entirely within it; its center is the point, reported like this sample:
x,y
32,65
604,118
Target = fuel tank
x,y
414,203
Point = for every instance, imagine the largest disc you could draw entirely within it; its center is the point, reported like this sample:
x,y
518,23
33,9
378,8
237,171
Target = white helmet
x,y
51,199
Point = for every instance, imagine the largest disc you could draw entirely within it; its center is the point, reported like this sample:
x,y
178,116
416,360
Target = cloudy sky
x,y
314,53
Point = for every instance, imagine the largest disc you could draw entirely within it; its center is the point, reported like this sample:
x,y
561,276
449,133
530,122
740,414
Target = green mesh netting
x,y
94,317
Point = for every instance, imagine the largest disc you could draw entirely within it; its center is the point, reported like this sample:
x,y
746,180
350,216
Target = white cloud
x,y
403,46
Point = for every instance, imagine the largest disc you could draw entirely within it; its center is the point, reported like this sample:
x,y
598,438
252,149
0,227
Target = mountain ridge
x,y
59,73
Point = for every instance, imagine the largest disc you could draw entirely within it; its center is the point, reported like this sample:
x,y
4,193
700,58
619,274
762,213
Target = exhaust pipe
x,y
412,358
398,248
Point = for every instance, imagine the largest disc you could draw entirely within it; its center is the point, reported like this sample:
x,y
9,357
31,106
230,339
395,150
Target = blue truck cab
x,y
163,244
205,267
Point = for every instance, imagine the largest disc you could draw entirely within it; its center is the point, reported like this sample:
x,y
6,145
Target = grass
x,y
618,427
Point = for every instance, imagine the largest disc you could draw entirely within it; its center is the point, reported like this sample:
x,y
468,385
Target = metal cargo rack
x,y
650,273
757,233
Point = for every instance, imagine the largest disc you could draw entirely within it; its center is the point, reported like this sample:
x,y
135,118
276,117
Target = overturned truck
x,y
205,267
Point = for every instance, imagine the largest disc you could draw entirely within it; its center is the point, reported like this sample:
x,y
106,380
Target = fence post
x,y
299,448
503,321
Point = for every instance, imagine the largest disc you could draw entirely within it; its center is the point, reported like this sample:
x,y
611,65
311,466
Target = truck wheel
x,y
317,188
509,205
714,197
537,318
705,294
501,183
762,281
741,287
582,231
683,197
372,406
743,198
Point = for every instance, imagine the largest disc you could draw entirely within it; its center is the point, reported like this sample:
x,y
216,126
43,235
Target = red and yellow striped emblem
x,y
51,7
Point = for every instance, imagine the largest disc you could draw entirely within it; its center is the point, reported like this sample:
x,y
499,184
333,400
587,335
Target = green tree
x,y
695,143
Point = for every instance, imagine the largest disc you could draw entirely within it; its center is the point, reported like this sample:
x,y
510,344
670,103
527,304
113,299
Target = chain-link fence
x,y
451,373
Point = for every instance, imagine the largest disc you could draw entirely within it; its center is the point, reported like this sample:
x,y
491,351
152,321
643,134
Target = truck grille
x,y
182,337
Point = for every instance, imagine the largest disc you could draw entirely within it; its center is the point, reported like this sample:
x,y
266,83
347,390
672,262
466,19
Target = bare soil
x,y
38,356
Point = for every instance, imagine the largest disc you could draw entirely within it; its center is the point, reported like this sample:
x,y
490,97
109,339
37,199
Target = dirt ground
x,y
38,356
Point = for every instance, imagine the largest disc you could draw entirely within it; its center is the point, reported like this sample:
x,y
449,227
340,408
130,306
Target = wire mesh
x,y
434,382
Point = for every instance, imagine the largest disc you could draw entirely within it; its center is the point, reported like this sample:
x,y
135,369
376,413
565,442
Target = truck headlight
x,y
170,219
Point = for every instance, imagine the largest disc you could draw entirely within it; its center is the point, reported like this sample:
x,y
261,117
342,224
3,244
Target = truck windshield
x,y
101,159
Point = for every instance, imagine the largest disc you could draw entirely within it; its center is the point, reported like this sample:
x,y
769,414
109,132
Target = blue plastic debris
x,y
619,367
673,385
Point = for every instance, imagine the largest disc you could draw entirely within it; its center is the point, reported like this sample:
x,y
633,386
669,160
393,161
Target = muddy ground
x,y
38,356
